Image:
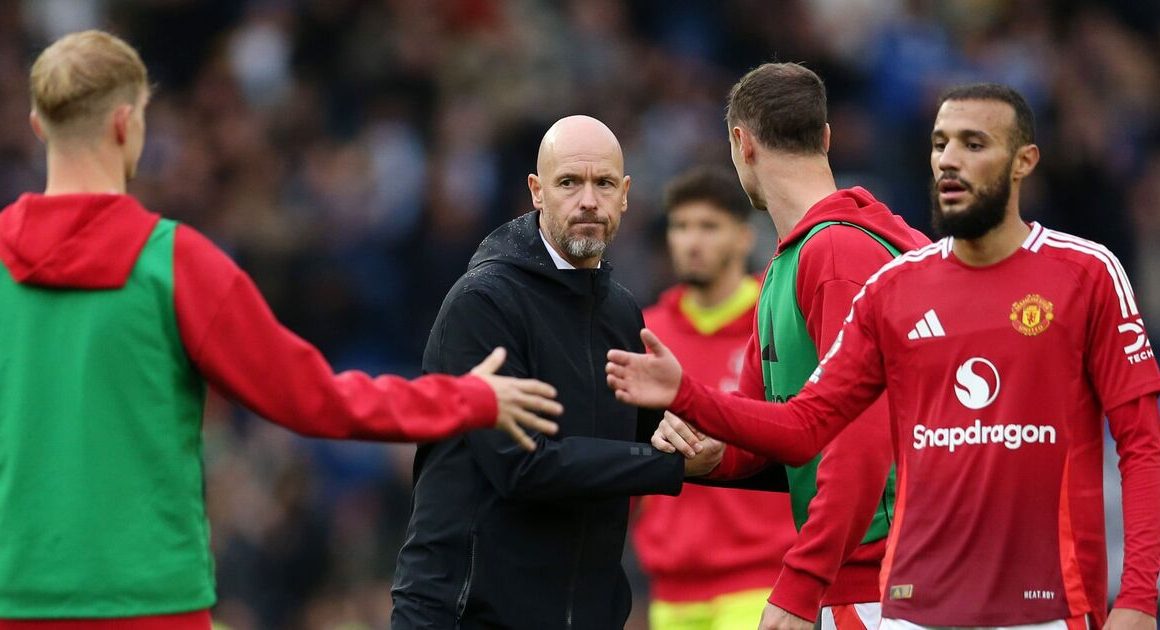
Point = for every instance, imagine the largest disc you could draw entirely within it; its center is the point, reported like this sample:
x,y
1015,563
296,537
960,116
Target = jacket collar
x,y
519,243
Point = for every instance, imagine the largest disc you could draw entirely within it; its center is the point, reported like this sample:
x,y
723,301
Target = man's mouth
x,y
589,222
952,189
951,185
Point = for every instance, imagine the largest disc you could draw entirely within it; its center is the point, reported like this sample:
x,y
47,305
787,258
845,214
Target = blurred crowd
x,y
350,154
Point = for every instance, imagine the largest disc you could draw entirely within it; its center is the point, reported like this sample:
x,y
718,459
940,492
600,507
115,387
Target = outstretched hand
x,y
519,400
644,380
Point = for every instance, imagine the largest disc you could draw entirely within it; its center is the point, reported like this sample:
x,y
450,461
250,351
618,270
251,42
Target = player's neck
x,y
1002,241
791,185
83,169
720,289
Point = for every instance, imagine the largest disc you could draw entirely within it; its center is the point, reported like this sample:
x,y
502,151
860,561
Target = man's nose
x,y
588,197
948,160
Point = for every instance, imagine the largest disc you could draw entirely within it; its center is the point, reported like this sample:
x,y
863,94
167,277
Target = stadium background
x,y
350,154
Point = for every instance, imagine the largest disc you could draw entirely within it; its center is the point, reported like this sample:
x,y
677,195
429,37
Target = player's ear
x,y
746,143
121,116
826,138
537,191
1026,158
37,126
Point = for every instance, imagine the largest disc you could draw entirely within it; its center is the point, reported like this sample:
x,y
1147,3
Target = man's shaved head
x,y
578,135
580,188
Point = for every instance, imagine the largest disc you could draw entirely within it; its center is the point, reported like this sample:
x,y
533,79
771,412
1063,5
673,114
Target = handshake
x,y
651,380
702,453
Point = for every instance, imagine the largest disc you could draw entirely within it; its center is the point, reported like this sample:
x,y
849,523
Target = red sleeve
x,y
832,268
232,337
847,381
1120,361
1121,367
1136,428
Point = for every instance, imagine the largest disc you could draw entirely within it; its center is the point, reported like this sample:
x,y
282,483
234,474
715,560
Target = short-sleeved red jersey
x,y
999,378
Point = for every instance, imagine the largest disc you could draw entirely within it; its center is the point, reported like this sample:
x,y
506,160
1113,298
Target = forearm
x,y
738,463
287,381
792,433
232,337
576,468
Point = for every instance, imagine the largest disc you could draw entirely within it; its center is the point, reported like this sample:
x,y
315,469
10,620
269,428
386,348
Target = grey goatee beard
x,y
583,247
580,247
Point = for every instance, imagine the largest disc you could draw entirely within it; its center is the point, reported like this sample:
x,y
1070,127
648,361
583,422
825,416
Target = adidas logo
x,y
927,327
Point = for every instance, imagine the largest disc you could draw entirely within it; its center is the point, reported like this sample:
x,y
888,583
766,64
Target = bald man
x,y
504,538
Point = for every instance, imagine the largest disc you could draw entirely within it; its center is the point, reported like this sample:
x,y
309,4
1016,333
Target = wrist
x,y
1144,605
481,400
683,399
798,593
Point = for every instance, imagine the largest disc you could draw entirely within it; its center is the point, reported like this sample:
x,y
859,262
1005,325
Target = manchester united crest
x,y
1032,315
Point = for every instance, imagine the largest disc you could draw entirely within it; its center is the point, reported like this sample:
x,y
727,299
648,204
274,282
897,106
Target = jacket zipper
x,y
591,303
575,576
461,602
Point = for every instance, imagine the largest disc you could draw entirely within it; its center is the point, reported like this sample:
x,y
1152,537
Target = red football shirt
x,y
999,377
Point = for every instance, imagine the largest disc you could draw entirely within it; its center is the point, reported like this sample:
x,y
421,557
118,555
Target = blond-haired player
x,y
113,322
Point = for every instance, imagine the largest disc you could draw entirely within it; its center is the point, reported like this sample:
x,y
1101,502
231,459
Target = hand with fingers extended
x,y
702,453
519,400
645,380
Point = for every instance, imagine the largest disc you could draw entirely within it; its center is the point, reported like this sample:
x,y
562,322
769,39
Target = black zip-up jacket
x,y
503,538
